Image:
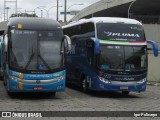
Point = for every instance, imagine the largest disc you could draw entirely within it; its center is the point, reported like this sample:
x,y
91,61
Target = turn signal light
x,y
20,85
21,75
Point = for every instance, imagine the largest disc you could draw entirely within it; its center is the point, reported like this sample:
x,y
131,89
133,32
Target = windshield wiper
x,y
29,61
44,62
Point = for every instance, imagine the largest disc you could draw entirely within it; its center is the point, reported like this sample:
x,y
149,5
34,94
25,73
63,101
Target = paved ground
x,y
75,100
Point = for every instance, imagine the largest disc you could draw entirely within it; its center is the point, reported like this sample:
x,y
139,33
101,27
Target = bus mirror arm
x,y
155,47
68,40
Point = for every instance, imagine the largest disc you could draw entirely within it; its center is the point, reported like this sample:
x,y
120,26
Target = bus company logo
x,y
124,78
38,81
121,34
124,73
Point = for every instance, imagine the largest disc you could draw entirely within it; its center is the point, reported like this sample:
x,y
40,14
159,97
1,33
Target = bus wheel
x,y
4,83
53,93
10,93
50,93
125,92
84,85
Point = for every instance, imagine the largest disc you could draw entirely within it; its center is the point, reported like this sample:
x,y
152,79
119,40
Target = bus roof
x,y
34,23
104,19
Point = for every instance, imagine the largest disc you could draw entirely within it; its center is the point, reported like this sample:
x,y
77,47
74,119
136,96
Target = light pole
x,y
16,6
73,5
57,11
45,10
42,8
5,1
65,9
7,8
39,7
70,7
130,8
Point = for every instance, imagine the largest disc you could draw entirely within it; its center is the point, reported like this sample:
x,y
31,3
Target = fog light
x,y
104,79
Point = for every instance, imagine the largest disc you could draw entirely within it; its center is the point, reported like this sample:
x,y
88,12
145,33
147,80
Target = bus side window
x,y
88,29
90,52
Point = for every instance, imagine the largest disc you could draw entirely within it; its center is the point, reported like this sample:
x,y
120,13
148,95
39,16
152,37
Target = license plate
x,y
38,88
124,88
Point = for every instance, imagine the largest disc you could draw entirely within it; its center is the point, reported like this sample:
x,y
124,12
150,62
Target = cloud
x,y
30,5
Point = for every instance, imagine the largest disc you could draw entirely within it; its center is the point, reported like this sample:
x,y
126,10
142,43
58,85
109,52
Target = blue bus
x,y
32,56
108,54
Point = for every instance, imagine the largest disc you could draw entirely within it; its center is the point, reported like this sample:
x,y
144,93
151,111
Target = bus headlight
x,y
142,81
14,78
104,79
59,78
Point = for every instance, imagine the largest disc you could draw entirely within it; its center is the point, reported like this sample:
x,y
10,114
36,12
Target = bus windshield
x,y
123,58
120,32
35,50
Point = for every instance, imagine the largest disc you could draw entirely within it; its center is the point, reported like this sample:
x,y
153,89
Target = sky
x,y
30,5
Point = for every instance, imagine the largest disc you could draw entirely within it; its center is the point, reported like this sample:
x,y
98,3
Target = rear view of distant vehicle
x,y
108,54
33,55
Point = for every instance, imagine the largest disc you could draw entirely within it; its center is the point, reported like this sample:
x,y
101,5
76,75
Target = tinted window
x,y
38,49
82,29
120,32
126,58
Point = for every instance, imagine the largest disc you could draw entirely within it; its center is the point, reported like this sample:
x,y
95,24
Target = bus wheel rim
x,y
84,84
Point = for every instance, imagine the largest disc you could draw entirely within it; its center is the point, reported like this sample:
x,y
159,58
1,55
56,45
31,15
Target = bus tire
x,y
84,84
53,93
10,93
4,83
125,92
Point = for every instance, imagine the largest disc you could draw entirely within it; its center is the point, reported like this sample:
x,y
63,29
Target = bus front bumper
x,y
119,86
20,86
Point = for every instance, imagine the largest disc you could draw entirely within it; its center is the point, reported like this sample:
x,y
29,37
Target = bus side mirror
x,y
67,42
96,46
5,42
155,47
